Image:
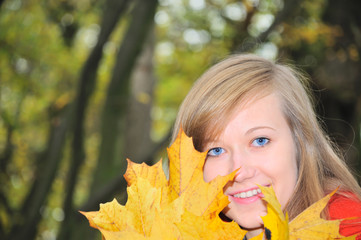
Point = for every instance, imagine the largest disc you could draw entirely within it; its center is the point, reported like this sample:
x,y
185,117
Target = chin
x,y
247,222
251,223
248,217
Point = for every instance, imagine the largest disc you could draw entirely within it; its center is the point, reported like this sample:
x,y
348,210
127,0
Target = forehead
x,y
262,111
252,110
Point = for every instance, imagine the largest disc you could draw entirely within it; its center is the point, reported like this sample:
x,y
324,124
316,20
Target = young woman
x,y
253,114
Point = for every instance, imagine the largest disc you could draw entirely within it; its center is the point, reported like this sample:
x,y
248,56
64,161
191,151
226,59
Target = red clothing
x,y
341,207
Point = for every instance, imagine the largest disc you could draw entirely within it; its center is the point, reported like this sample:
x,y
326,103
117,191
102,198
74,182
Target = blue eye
x,y
215,151
260,142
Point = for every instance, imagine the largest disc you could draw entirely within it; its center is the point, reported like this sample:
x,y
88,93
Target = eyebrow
x,y
216,142
211,144
257,128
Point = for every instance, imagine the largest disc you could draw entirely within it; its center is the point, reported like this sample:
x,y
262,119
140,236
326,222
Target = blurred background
x,y
85,84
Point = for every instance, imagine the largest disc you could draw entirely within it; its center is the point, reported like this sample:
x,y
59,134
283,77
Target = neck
x,y
254,232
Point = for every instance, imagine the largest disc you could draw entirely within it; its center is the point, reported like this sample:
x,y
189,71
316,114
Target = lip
x,y
247,200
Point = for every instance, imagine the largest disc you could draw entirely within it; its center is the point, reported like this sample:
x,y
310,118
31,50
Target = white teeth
x,y
248,194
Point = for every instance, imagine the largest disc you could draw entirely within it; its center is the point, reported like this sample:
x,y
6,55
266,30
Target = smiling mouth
x,y
247,194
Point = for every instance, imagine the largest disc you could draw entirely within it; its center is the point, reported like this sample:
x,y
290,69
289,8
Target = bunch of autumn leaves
x,y
185,207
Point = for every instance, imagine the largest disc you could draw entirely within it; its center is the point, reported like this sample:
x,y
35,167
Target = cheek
x,y
212,169
281,169
209,171
286,181
287,189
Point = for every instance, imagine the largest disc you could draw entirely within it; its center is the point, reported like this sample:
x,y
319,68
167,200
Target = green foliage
x,y
38,78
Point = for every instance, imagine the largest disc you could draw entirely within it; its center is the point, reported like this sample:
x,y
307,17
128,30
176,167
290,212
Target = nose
x,y
244,173
246,169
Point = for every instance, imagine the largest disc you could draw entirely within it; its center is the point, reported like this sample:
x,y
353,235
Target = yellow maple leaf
x,y
185,207
154,174
206,227
186,178
275,220
310,223
307,225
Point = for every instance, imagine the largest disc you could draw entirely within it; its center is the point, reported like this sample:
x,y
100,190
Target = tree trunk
x,y
75,226
112,12
109,164
340,75
138,117
48,166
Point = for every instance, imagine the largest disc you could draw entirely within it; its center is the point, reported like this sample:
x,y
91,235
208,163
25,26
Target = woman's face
x,y
259,141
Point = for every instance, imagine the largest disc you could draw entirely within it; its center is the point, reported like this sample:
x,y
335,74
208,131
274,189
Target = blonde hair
x,y
215,96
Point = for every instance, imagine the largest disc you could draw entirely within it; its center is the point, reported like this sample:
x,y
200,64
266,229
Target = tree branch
x,y
1,2
288,10
8,150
